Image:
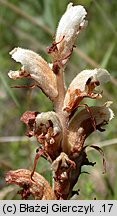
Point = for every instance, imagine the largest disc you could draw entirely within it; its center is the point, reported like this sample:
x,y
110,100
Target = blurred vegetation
x,y
32,24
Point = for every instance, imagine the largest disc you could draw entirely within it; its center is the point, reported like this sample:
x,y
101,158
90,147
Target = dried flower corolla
x,y
46,127
34,66
81,126
69,26
46,117
83,86
48,131
62,162
39,187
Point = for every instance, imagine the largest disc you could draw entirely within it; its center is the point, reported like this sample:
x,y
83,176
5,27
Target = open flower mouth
x,y
92,92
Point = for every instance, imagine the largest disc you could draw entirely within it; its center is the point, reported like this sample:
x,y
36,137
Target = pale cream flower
x,y
45,117
69,26
83,85
35,67
49,133
102,114
81,125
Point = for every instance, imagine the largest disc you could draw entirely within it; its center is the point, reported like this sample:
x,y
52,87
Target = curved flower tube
x,y
34,66
83,85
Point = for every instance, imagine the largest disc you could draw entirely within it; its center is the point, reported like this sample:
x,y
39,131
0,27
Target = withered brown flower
x,y
39,187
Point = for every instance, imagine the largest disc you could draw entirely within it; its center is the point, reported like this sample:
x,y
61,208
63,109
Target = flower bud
x,y
68,28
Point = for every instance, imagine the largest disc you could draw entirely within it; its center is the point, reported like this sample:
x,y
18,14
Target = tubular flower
x,y
81,127
36,67
48,131
46,127
82,86
68,28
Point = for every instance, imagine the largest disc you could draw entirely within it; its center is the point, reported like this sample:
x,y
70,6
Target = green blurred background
x,y
32,24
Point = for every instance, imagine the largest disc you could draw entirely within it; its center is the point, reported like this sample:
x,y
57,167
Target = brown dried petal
x,y
28,115
39,188
28,118
82,86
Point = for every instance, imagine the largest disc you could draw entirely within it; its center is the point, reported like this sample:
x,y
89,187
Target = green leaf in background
x,y
108,55
9,90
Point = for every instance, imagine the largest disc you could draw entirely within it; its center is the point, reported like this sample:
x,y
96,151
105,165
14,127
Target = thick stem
x,y
58,105
61,92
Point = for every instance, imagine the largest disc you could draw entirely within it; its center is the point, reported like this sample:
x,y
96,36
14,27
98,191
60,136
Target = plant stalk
x,y
58,105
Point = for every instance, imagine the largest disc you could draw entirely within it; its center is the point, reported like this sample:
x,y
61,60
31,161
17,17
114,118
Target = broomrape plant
x,y
61,133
